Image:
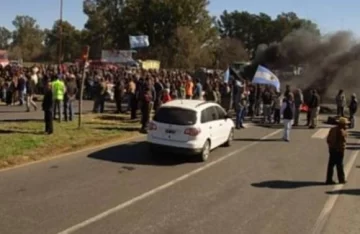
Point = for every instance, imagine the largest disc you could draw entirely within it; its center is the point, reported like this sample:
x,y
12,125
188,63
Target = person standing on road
x,y
189,88
314,106
287,111
30,91
146,101
340,103
70,97
58,89
267,99
47,106
352,109
336,141
277,107
299,100
240,106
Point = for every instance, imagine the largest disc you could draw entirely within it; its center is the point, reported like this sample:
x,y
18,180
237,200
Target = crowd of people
x,y
146,90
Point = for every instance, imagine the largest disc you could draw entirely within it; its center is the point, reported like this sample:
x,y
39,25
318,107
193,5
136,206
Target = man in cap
x,y
336,141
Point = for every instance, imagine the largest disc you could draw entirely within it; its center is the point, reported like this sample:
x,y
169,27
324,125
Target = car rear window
x,y
176,116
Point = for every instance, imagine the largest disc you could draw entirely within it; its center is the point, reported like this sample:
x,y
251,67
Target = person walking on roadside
x,y
287,111
314,106
298,100
336,141
352,109
340,103
47,106
58,89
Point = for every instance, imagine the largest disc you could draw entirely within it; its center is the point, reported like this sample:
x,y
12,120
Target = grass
x,y
24,141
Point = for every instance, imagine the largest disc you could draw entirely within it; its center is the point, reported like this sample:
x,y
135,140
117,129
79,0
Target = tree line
x,y
182,33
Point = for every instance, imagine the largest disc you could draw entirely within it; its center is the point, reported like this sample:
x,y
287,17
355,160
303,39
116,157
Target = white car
x,y
190,127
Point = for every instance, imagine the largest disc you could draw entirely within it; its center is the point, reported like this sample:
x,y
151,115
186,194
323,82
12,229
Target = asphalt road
x,y
255,186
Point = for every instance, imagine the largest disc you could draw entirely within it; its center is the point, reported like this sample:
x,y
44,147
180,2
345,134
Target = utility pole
x,y
60,34
85,57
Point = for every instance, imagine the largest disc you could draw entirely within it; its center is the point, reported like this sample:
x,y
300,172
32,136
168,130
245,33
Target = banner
x,y
227,76
139,41
265,76
117,56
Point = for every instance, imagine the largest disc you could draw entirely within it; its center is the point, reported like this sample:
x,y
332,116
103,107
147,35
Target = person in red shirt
x,y
166,96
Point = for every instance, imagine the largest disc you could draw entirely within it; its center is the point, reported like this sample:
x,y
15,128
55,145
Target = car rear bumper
x,y
173,149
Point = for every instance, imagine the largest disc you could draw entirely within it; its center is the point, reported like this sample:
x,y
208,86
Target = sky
x,y
331,15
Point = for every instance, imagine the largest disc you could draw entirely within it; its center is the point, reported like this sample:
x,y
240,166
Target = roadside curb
x,y
86,149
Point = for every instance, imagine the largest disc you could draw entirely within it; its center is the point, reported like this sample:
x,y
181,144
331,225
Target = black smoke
x,y
329,62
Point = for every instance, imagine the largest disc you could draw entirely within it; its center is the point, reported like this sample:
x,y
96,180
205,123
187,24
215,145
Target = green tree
x,y
161,20
72,41
27,38
5,37
253,29
228,51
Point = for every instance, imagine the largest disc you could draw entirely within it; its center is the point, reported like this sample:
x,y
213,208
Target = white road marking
x,y
330,203
321,133
161,188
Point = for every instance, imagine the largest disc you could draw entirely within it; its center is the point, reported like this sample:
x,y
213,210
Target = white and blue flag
x,y
227,76
139,41
265,76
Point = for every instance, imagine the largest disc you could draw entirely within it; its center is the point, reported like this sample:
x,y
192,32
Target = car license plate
x,y
170,131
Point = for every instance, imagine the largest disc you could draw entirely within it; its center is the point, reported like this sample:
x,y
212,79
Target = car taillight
x,y
152,127
192,131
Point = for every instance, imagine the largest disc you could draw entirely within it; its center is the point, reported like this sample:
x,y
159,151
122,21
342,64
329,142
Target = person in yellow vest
x,y
58,89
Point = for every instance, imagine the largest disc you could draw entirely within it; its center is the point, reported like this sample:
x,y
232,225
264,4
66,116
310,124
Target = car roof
x,y
195,105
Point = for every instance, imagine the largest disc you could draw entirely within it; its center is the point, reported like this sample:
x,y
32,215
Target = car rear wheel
x,y
230,138
204,155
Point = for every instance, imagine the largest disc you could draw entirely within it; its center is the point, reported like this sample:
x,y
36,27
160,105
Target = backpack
x,y
288,112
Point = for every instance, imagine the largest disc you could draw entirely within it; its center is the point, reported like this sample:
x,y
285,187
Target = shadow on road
x,y
257,139
137,153
7,131
21,120
355,192
126,129
283,184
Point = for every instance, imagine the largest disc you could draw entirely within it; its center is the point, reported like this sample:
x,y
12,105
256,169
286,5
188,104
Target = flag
x,y
265,76
227,76
139,41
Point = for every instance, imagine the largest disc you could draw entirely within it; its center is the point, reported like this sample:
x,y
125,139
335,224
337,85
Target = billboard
x,y
117,56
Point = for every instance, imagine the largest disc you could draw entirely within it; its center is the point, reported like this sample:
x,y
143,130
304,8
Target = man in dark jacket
x,y
30,91
314,106
119,93
146,101
70,97
336,141
47,106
